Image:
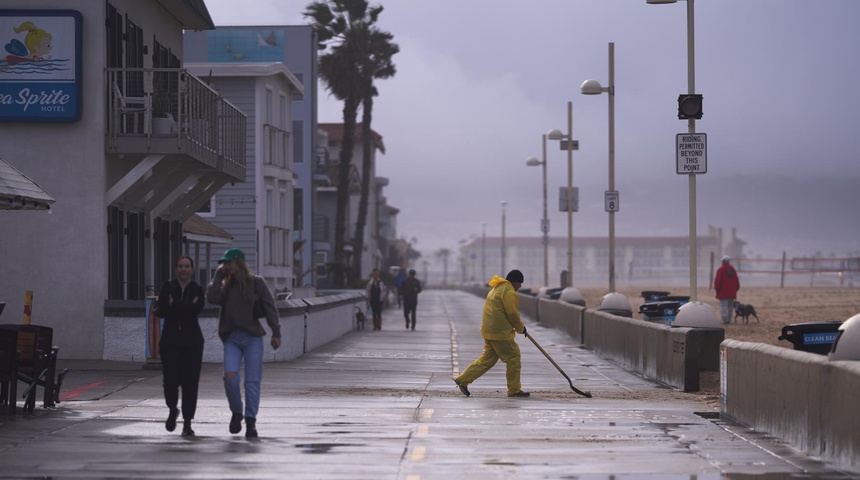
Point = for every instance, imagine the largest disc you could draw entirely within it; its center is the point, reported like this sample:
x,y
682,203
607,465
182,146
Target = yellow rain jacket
x,y
501,317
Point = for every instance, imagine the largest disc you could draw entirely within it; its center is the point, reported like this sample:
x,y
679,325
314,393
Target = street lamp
x,y
483,251
691,126
503,236
555,134
544,226
593,87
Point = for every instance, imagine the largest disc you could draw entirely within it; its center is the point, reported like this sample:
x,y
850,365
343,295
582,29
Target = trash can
x,y
814,337
682,299
659,312
653,295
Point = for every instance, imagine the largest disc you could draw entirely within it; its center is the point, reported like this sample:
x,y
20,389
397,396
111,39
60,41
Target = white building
x,y
128,143
258,212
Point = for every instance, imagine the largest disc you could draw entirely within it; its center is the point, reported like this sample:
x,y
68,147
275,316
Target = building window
x,y
298,209
269,100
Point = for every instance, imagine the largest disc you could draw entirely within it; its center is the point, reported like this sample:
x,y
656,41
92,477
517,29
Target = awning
x,y
18,192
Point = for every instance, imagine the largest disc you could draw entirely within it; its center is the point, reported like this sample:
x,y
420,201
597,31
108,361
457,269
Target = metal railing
x,y
172,103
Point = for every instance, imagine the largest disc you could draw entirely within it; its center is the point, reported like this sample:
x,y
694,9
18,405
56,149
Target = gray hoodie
x,y
237,314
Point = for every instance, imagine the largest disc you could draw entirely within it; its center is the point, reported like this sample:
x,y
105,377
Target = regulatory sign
x,y
692,153
568,202
611,201
574,144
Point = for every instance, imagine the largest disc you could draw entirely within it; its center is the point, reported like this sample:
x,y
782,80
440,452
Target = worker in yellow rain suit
x,y
499,325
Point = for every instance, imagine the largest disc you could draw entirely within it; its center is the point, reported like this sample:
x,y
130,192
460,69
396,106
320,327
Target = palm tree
x,y
359,53
379,66
444,253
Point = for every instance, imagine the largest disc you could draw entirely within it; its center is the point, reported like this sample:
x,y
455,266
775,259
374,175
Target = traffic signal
x,y
689,106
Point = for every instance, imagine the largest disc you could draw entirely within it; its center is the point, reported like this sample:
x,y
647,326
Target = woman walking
x,y
236,289
180,301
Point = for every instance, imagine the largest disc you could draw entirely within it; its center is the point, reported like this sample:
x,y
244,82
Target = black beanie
x,y
515,276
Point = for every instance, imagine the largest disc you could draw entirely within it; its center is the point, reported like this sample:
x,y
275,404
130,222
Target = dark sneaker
x,y
521,394
236,423
464,389
250,427
170,424
187,432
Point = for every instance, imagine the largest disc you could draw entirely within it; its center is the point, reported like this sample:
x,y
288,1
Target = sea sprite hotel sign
x,y
40,66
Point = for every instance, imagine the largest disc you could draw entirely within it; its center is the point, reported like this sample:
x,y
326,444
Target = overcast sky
x,y
480,81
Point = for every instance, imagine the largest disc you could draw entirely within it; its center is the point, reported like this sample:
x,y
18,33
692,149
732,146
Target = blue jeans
x,y
238,345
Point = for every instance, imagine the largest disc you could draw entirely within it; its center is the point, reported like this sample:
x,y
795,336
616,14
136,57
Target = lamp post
x,y
555,134
691,127
503,236
593,87
544,226
483,251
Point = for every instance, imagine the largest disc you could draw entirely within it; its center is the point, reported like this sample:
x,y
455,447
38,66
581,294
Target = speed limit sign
x,y
611,200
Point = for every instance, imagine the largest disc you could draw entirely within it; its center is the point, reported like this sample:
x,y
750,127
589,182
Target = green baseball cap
x,y
232,254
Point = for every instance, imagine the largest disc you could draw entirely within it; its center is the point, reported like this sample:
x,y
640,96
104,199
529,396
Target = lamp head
x,y
591,87
555,134
659,2
533,162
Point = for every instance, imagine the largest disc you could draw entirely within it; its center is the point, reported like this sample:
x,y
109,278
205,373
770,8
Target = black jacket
x,y
181,327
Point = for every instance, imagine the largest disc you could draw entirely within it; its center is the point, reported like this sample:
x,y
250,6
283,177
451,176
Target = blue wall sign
x,y
40,66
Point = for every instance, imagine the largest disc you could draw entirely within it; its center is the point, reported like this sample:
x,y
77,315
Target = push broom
x,y
584,394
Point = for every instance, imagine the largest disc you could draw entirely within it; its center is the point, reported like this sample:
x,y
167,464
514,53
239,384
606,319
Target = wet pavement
x,y
382,405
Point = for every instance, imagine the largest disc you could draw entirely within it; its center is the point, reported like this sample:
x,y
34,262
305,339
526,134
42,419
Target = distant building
x,y
325,214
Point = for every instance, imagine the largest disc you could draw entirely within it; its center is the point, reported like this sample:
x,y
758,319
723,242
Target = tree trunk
x,y
350,111
366,184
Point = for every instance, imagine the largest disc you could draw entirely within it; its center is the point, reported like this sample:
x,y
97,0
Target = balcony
x,y
168,111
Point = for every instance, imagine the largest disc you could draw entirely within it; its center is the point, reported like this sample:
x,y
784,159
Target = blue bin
x,y
681,299
814,337
660,312
653,295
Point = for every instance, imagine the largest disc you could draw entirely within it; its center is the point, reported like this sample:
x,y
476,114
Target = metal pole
x,y
484,251
545,222
691,87
569,194
612,163
503,236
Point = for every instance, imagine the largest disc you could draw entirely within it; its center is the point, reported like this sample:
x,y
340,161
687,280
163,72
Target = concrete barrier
x,y
306,324
797,396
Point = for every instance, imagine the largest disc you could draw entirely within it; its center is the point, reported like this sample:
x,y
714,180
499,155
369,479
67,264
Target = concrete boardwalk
x,y
381,405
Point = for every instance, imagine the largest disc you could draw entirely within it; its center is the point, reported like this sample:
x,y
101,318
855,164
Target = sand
x,y
776,307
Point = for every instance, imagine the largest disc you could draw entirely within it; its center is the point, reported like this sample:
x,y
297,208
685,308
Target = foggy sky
x,y
480,81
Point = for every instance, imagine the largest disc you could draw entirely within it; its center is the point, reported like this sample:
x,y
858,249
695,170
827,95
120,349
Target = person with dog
x,y
376,292
180,301
726,284
500,322
409,291
236,290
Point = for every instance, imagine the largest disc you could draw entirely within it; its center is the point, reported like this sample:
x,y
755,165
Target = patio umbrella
x,y
18,192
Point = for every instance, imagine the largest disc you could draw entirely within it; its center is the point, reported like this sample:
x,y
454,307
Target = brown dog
x,y
744,311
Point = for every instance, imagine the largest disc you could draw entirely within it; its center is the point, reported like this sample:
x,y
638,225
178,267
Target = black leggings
x,y
181,367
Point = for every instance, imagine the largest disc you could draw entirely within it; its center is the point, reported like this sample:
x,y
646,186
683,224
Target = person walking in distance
x,y
180,301
727,284
499,324
409,290
376,291
398,284
236,289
